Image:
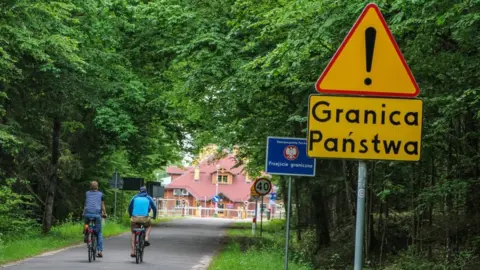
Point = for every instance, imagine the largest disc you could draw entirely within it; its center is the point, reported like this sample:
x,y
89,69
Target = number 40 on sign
x,y
262,186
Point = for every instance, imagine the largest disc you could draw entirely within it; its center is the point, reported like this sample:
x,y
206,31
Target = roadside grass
x,y
67,234
243,251
70,233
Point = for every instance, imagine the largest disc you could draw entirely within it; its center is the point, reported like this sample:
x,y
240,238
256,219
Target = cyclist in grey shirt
x,y
95,208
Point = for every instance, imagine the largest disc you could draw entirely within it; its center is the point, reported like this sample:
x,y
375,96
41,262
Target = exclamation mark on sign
x,y
370,35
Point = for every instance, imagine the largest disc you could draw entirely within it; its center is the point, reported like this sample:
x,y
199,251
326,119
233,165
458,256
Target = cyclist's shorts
x,y
142,220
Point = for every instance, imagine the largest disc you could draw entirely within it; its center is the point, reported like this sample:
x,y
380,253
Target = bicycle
x,y
91,239
139,242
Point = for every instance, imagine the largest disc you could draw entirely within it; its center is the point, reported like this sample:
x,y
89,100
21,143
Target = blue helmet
x,y
143,190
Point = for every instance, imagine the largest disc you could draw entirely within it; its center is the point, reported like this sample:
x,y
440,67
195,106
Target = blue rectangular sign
x,y
288,156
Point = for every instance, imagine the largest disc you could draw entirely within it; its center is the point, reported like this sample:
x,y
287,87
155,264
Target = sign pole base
x,y
362,183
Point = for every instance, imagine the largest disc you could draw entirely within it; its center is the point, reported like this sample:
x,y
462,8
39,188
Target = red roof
x,y
176,170
238,191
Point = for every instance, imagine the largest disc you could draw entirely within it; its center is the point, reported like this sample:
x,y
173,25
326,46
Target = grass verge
x,y
62,236
243,251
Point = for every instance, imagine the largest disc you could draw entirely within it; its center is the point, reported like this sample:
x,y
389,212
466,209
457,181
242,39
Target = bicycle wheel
x,y
142,246
89,247
94,247
137,249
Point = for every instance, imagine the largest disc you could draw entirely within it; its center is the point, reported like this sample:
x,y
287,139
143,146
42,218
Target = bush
x,y
307,247
408,259
14,210
244,251
275,225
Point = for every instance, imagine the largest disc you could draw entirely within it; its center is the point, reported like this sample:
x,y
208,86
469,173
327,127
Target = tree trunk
x,y
346,174
371,240
448,204
430,210
53,177
297,206
473,190
321,219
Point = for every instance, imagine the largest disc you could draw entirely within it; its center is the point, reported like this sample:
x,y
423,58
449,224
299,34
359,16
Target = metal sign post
x,y
260,187
287,237
115,191
261,217
362,182
254,224
115,182
122,199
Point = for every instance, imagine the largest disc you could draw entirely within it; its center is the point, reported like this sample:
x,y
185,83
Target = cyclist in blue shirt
x,y
138,209
95,208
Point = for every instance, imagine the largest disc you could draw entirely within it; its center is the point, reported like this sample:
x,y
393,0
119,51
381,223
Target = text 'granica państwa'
x,y
364,130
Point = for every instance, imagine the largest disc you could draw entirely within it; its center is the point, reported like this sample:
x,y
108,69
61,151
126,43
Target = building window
x,y
178,203
222,179
180,192
221,206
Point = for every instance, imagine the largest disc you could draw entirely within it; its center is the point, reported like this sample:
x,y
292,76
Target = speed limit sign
x,y
262,186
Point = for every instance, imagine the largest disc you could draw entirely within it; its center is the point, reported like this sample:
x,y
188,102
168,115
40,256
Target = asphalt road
x,y
184,244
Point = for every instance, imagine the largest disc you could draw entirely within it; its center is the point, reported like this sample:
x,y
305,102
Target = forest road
x,y
182,244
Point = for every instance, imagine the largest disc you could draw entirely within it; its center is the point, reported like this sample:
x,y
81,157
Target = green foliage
x,y
70,60
244,251
14,210
409,260
134,83
251,74
307,247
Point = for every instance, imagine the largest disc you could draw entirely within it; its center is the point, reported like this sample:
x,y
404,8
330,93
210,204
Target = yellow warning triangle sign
x,y
253,192
368,62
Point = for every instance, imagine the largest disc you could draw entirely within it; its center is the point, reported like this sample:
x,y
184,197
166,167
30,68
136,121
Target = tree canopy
x,y
88,87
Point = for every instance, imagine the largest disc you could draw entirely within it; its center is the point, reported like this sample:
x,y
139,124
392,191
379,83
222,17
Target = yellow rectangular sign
x,y
366,128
